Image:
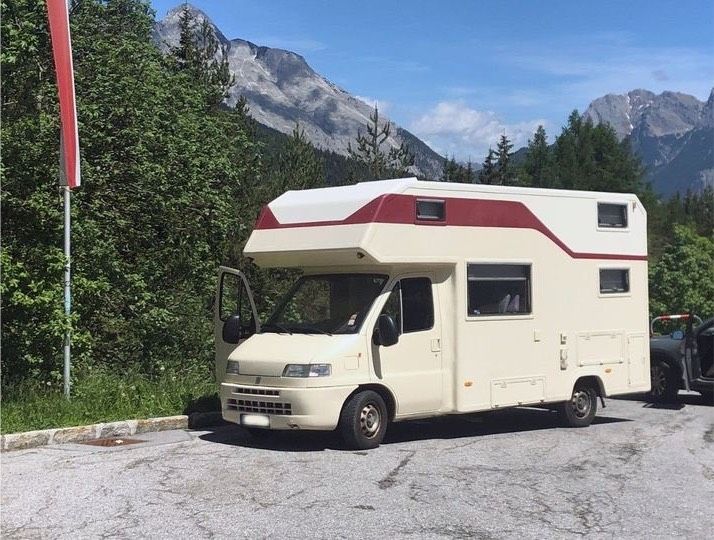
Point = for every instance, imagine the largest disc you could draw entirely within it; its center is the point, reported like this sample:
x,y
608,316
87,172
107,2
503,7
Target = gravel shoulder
x,y
638,472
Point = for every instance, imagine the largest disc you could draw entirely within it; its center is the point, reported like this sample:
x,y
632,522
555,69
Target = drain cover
x,y
114,441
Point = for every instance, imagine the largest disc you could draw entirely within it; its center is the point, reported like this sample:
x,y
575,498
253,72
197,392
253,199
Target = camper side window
x,y
614,280
411,304
499,289
612,216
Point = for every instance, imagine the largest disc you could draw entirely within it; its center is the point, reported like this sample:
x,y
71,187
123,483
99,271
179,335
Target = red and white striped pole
x,y
58,16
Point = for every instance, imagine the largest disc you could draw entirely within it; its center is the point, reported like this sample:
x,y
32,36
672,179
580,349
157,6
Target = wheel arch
x,y
384,392
593,381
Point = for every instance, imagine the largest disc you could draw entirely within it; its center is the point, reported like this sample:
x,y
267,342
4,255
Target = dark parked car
x,y
683,359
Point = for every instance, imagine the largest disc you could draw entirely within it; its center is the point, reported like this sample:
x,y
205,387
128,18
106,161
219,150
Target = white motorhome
x,y
420,299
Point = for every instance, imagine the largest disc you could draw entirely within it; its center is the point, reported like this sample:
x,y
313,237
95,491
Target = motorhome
x,y
418,299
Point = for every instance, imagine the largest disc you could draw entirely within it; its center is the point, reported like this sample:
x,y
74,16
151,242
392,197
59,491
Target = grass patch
x,y
105,396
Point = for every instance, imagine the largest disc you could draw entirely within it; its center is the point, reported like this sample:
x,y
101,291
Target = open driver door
x,y
235,317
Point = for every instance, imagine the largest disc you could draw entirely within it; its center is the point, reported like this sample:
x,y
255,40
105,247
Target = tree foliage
x,y
200,53
381,162
456,172
538,166
683,277
504,172
488,173
167,186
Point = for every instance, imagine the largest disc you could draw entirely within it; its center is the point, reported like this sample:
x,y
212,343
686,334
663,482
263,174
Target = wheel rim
x,y
659,380
581,403
370,420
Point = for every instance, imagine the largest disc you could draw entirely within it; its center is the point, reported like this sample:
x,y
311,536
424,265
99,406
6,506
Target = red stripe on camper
x,y
398,208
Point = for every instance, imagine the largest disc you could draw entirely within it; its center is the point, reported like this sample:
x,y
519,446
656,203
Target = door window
x,y
231,287
411,304
234,300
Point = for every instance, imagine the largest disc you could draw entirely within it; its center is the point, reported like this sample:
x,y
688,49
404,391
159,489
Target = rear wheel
x,y
363,421
580,409
664,382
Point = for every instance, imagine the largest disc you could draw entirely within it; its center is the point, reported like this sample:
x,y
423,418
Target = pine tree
x,y
469,172
201,54
590,157
380,164
504,171
538,160
488,173
299,166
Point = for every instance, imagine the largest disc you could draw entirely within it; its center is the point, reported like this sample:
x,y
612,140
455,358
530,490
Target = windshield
x,y
326,304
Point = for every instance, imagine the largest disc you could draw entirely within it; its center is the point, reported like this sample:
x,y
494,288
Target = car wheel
x,y
580,409
363,421
664,382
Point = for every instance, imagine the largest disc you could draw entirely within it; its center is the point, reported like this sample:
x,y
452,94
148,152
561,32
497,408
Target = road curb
x,y
122,428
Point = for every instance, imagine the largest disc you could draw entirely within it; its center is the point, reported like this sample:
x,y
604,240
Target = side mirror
x,y
388,332
231,329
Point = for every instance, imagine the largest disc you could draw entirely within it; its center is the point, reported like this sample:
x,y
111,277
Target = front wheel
x,y
580,409
363,421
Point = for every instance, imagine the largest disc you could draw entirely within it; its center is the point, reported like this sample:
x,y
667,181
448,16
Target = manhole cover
x,y
114,441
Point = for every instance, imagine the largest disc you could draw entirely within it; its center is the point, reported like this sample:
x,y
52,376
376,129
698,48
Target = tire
x,y
663,380
580,409
363,420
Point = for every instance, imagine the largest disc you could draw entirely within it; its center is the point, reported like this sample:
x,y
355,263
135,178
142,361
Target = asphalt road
x,y
637,472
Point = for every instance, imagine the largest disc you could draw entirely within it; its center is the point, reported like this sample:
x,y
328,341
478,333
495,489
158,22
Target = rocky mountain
x,y
282,90
673,133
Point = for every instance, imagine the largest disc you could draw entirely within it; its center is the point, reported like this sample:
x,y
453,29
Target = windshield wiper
x,y
311,329
279,326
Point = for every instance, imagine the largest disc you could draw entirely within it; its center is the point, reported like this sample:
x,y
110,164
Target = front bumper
x,y
287,408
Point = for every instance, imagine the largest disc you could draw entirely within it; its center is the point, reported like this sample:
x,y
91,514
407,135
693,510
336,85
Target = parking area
x,y
640,471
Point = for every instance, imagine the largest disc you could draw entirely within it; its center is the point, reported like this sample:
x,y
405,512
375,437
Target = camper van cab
x,y
419,299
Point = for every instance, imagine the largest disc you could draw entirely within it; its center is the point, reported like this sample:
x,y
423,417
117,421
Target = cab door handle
x,y
435,345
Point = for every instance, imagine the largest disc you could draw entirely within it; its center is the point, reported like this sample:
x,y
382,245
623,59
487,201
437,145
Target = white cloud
x,y
382,105
454,128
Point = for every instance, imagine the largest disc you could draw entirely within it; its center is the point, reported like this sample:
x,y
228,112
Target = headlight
x,y
307,370
232,367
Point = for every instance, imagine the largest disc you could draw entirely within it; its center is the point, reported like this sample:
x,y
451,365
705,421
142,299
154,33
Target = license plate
x,y
255,420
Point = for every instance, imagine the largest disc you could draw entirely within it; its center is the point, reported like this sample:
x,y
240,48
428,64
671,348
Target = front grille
x,y
263,407
255,391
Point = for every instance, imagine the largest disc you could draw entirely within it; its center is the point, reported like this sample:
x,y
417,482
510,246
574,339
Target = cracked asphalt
x,y
638,472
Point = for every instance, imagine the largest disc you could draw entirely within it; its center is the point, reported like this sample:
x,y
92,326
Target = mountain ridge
x,y
671,132
282,90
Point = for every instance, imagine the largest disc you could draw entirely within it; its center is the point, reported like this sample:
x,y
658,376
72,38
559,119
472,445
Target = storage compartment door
x,y
517,391
638,366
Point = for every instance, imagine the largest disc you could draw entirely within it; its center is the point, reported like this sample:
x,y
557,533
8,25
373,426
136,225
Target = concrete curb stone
x,y
123,428
162,424
74,434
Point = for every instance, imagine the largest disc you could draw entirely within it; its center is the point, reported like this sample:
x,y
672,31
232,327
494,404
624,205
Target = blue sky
x,y
460,73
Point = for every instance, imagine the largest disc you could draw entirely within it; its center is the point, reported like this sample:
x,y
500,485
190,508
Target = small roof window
x,y
431,209
612,216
